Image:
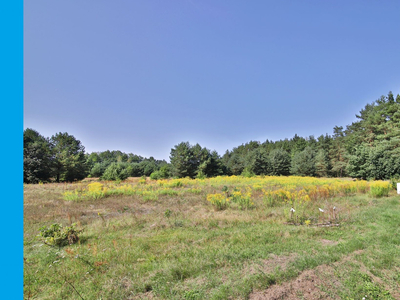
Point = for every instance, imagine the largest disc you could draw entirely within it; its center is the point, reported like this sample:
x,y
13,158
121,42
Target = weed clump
x,y
219,201
57,235
243,199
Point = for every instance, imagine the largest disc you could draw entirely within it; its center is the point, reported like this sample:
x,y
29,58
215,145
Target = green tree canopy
x,y
321,163
279,161
115,171
69,157
183,160
38,157
303,163
258,162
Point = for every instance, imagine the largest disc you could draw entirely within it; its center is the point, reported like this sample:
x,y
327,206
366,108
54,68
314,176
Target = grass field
x,y
218,238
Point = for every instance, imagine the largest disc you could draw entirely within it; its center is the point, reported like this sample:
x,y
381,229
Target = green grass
x,y
135,251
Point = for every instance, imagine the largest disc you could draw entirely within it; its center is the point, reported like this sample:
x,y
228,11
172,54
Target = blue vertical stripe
x,y
11,171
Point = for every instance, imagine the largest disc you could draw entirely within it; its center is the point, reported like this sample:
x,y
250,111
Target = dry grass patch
x,y
306,286
270,265
329,242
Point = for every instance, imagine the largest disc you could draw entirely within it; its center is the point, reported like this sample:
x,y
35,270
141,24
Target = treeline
x,y
62,158
117,165
367,149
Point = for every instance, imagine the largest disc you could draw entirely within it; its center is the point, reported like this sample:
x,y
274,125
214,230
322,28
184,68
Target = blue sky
x,y
143,76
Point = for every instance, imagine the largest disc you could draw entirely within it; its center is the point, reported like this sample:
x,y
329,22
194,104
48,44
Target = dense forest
x,y
367,149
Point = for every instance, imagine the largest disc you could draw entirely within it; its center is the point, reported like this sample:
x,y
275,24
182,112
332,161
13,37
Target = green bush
x,y
201,175
394,181
247,173
155,175
161,174
98,170
57,235
115,172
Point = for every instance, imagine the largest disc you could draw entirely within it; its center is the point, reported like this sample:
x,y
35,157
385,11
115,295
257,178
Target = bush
x,y
115,172
98,170
201,175
247,173
394,180
57,235
155,175
163,173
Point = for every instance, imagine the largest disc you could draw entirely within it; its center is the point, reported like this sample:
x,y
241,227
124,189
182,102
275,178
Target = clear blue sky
x,y
142,76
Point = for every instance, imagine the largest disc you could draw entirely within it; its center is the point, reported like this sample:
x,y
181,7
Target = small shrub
x,y
201,175
394,181
165,171
247,173
57,235
219,201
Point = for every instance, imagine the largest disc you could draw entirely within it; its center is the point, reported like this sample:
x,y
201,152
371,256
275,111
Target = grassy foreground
x,y
164,240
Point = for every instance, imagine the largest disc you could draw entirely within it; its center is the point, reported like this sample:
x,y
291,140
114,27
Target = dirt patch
x,y
318,283
329,242
271,264
310,285
148,295
357,252
197,281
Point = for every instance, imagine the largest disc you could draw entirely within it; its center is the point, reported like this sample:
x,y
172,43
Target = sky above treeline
x,y
143,76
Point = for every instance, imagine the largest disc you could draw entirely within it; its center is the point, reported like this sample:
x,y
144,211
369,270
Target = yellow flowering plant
x,y
219,201
379,188
244,200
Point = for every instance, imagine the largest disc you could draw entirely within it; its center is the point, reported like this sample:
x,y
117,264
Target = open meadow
x,y
217,238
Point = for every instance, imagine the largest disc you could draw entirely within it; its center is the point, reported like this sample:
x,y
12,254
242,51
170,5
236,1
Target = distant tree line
x,y
117,165
367,149
62,158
